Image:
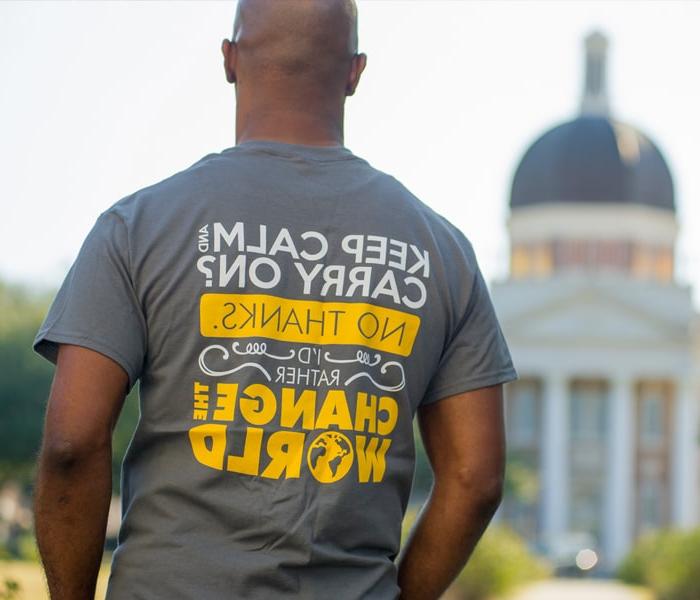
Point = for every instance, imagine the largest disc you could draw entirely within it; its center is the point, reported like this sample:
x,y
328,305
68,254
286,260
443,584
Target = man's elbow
x,y
481,489
65,455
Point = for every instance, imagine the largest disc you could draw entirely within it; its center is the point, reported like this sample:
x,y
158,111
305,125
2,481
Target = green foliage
x,y
21,306
633,569
500,563
25,381
522,479
668,562
9,588
27,548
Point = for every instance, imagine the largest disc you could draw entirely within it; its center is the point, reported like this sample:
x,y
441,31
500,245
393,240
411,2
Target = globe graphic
x,y
330,456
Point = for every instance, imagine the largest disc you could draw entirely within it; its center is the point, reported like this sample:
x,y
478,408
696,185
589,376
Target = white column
x,y
685,457
555,457
619,489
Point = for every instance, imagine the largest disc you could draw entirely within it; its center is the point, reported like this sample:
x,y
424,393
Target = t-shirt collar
x,y
288,150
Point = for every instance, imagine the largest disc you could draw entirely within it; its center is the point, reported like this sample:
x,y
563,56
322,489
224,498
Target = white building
x,y
605,415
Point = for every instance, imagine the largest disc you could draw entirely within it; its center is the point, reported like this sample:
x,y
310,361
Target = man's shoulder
x,y
166,194
399,199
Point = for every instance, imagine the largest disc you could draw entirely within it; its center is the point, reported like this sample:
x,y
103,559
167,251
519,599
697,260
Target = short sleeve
x,y
96,306
477,354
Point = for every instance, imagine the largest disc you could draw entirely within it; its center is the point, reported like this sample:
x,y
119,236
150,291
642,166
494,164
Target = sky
x,y
100,99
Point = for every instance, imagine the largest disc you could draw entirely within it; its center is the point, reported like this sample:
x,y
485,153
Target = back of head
x,y
300,44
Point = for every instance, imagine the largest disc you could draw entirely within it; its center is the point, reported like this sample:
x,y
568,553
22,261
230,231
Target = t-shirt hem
x,y
471,383
46,344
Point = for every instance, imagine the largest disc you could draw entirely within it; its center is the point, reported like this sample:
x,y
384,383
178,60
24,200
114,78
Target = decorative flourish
x,y
225,353
362,357
365,358
383,369
260,349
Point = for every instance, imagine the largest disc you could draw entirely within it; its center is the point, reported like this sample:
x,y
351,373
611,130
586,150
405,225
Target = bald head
x,y
314,39
293,57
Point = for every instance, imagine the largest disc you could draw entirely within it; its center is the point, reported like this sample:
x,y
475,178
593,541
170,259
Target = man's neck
x,y
308,127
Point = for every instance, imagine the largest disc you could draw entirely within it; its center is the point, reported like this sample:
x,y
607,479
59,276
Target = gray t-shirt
x,y
286,309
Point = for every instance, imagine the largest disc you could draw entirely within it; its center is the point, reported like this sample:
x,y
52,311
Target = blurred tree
x,y
500,563
522,478
25,381
667,561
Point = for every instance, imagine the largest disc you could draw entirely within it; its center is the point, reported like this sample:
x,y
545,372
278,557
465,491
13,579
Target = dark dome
x,y
593,159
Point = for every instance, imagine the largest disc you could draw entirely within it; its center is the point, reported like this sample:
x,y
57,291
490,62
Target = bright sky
x,y
100,99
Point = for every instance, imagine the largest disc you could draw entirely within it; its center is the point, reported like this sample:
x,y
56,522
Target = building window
x,y
663,267
522,414
651,416
588,410
531,260
642,261
650,502
588,426
586,506
652,262
542,263
592,255
520,262
520,508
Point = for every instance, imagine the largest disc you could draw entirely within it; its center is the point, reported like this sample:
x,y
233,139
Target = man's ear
x,y
358,64
230,51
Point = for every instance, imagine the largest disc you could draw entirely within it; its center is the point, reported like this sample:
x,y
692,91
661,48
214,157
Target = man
x,y
288,309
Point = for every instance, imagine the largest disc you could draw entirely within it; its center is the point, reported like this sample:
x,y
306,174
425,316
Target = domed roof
x,y
593,158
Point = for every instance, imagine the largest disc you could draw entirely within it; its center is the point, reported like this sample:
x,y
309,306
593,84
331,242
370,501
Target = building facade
x,y
602,425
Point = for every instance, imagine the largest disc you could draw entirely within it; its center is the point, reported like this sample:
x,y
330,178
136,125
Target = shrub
x,y
500,562
668,562
27,548
634,569
9,588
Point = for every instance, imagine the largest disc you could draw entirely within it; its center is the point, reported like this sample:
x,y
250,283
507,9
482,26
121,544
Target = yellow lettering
x,y
370,460
210,456
304,407
286,449
366,413
309,321
249,462
387,405
259,404
225,401
334,411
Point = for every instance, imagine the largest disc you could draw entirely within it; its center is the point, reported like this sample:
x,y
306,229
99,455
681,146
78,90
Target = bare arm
x,y
465,442
74,472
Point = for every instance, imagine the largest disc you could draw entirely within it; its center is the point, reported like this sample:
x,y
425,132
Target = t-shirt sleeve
x,y
96,305
477,354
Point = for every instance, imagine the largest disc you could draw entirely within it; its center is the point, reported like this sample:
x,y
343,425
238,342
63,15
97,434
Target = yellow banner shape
x,y
307,321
